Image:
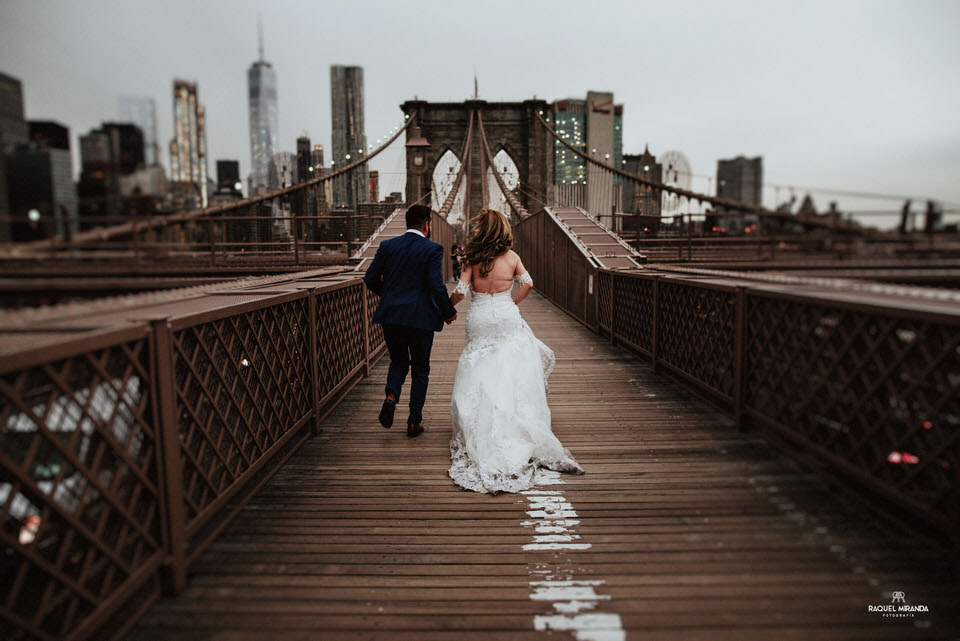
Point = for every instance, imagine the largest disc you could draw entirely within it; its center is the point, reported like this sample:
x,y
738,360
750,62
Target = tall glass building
x,y
188,149
570,121
594,126
262,88
349,136
143,113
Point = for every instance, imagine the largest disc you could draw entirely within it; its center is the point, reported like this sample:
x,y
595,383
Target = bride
x,y
501,422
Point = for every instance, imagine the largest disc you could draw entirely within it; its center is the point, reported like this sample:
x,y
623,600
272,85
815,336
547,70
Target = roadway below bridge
x,y
681,528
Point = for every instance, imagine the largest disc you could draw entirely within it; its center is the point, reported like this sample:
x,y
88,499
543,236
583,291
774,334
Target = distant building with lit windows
x,y
594,126
570,122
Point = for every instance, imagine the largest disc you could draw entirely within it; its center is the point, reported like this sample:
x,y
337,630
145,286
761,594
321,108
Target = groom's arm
x,y
437,289
373,277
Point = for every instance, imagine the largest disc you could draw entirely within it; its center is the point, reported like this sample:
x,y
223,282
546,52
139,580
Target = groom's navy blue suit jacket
x,y
407,274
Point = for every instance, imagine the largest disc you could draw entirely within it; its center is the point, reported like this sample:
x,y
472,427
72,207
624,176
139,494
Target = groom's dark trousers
x,y
409,348
407,273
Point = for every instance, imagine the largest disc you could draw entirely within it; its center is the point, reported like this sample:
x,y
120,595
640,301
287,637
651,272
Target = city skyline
x,y
847,96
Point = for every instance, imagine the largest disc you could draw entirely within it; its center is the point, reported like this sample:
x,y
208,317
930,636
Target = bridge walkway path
x,y
681,528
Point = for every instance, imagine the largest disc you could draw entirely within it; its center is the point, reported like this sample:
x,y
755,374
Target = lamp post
x,y
417,147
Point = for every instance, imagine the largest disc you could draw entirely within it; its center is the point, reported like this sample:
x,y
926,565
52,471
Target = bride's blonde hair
x,y
492,237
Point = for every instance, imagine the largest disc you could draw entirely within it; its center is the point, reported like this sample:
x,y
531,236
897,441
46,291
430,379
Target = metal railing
x,y
865,390
123,452
859,384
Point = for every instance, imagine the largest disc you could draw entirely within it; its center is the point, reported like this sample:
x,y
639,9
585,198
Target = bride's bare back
x,y
500,278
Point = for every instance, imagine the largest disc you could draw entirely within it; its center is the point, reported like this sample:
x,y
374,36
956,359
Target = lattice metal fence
x,y
867,391
80,488
875,392
696,333
122,454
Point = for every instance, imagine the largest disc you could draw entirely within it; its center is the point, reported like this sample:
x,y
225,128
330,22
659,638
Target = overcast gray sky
x,y
833,93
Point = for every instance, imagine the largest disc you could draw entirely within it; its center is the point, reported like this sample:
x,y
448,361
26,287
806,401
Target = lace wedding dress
x,y
501,422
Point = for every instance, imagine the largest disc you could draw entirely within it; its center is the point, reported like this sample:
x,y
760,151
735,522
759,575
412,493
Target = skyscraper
x,y
13,132
602,135
228,177
595,127
262,92
570,122
349,137
13,127
143,113
188,149
325,193
106,154
317,159
128,149
740,179
304,159
40,177
282,170
49,134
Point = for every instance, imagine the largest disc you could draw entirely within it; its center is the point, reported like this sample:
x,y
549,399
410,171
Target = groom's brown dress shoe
x,y
386,412
414,430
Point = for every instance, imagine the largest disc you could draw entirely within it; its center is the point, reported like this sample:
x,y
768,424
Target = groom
x,y
407,274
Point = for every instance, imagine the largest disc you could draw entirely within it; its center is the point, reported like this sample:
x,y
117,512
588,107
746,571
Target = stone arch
x,y
443,176
510,173
512,125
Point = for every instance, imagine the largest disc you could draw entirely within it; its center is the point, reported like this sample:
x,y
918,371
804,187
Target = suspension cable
x,y
464,154
153,222
724,203
509,195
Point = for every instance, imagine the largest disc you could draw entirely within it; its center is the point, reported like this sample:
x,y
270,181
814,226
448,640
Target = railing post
x,y
654,342
136,244
366,330
739,351
349,232
613,295
213,245
301,206
596,301
169,443
314,354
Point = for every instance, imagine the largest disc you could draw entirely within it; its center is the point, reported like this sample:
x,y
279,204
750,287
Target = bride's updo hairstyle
x,y
491,237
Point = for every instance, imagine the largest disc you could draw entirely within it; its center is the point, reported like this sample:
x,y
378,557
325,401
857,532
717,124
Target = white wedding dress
x,y
501,422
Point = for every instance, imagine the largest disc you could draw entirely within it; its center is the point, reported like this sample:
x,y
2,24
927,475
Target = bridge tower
x,y
511,126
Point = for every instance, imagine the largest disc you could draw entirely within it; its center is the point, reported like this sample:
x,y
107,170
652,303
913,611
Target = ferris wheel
x,y
676,173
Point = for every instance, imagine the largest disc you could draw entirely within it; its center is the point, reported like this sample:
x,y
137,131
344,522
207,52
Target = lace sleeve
x,y
523,279
462,288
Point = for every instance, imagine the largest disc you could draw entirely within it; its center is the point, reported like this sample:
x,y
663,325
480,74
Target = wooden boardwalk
x,y
682,528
